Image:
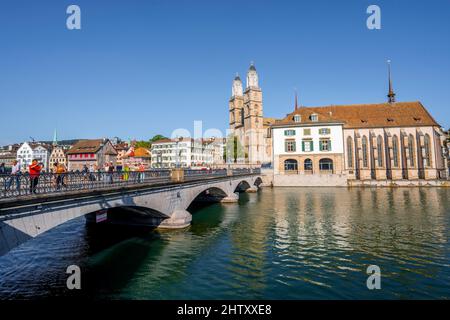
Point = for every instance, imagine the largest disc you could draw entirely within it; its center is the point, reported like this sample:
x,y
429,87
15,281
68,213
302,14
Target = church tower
x,y
253,118
236,104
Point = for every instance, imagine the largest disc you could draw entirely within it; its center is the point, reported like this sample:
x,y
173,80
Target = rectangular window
x,y
289,146
306,132
325,145
289,132
324,131
307,146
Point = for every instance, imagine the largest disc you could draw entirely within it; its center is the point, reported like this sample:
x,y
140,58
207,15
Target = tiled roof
x,y
142,153
400,114
86,146
162,141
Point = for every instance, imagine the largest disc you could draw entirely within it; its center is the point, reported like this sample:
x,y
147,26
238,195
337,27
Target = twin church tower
x,y
246,119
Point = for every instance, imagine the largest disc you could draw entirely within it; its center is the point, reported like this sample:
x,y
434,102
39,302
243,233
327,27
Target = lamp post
x,y
178,152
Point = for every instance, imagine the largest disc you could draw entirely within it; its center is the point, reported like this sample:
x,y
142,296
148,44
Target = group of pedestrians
x,y
59,176
15,176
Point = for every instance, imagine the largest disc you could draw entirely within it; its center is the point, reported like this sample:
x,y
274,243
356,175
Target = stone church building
x,y
332,145
247,122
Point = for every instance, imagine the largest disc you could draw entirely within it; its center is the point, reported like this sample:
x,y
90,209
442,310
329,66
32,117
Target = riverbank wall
x,y
340,180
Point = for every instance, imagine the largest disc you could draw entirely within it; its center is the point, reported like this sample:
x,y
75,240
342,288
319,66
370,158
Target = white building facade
x,y
184,152
27,152
308,148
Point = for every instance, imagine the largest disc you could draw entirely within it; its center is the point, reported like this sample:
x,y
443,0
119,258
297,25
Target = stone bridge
x,y
162,205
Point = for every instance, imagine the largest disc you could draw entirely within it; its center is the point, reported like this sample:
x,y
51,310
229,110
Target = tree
x,y
143,144
233,149
157,137
148,144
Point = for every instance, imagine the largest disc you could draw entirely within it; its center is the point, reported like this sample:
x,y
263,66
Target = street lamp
x,y
178,152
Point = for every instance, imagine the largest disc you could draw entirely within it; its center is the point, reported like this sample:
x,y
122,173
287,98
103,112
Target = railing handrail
x,y
24,184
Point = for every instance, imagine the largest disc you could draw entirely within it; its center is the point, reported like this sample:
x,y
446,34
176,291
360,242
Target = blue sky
x,y
138,68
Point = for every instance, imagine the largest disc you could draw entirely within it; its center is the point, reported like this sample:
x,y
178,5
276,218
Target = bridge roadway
x,y
161,202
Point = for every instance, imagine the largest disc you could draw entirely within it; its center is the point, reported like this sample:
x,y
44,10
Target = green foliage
x,y
148,144
157,137
143,144
233,149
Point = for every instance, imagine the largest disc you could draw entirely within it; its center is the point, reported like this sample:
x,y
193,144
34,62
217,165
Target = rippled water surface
x,y
283,243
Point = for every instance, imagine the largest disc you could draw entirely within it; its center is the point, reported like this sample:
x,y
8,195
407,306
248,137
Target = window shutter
x,y
303,146
320,145
285,146
311,146
329,145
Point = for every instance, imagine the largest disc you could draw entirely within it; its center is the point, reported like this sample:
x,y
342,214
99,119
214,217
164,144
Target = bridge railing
x,y
52,183
246,170
24,184
190,174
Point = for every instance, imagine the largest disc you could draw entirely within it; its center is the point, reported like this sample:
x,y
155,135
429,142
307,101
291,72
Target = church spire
x,y
55,138
391,94
296,99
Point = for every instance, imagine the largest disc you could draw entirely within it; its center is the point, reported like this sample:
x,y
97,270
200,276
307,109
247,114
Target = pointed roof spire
x,y
55,138
391,93
252,66
296,99
237,77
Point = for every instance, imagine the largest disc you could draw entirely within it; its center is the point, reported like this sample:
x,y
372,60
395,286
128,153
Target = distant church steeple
x,y
391,94
55,138
296,99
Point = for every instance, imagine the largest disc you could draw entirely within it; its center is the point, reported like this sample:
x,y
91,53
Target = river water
x,y
281,243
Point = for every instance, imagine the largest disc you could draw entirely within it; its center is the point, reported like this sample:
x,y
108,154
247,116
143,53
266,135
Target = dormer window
x,y
417,119
314,117
297,118
390,120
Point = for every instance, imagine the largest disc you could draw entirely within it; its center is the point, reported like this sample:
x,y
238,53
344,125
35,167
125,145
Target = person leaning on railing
x,y
35,171
126,172
15,175
92,173
141,172
60,175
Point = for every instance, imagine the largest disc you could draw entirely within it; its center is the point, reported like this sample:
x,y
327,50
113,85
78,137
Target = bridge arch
x,y
242,186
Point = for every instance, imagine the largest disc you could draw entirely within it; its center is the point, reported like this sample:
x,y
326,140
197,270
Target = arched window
x,y
364,152
411,150
380,150
308,165
290,165
427,151
395,150
350,152
326,164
